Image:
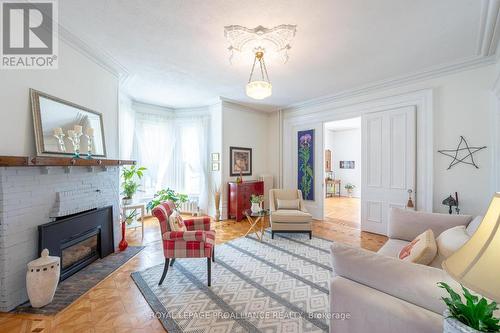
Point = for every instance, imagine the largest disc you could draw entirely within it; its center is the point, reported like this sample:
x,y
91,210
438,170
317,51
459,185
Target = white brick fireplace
x,y
31,196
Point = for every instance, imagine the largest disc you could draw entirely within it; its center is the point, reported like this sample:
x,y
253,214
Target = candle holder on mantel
x,y
59,135
89,134
74,136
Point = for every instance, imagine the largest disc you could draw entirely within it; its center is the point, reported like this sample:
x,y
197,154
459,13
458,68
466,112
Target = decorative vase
x,y
452,325
255,207
42,279
349,193
123,243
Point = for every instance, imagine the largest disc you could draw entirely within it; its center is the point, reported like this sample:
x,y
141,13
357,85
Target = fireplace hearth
x,y
78,239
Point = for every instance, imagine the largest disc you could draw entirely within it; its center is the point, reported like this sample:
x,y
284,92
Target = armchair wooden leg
x,y
209,272
165,269
172,262
310,234
213,254
272,234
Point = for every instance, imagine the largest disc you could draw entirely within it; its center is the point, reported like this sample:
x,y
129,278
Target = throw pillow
x,y
288,204
176,223
473,225
451,240
421,250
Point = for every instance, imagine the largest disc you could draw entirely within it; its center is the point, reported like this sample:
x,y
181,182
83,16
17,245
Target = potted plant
x,y
256,200
475,315
350,188
165,195
130,184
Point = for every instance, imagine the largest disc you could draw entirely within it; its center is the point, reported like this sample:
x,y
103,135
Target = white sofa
x,y
382,293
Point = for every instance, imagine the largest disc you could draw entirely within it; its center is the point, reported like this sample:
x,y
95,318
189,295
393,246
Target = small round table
x,y
254,219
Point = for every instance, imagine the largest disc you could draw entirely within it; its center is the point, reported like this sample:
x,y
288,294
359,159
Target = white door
x,y
388,164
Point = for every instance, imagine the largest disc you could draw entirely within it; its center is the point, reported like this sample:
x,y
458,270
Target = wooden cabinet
x,y
328,160
238,197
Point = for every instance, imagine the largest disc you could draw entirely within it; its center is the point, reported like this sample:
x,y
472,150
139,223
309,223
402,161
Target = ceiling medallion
x,y
275,42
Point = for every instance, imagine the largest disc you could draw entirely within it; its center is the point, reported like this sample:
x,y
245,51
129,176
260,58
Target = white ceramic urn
x,y
42,279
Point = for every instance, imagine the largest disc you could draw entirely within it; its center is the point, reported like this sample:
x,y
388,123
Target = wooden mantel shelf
x,y
46,161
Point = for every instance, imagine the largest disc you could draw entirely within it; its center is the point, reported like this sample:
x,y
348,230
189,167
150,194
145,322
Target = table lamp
x,y
476,264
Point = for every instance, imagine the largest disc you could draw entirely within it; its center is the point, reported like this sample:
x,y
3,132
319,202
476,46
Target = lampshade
x,y
259,89
476,265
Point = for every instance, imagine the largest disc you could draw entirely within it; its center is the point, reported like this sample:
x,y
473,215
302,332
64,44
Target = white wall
x,y
346,146
462,106
78,79
215,146
248,128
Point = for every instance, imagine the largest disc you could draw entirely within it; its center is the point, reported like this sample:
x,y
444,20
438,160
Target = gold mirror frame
x,y
37,123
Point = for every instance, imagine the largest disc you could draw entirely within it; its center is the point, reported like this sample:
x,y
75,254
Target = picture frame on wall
x,y
215,157
215,166
347,164
305,167
240,161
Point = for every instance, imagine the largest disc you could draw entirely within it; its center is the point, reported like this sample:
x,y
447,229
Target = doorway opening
x,y
342,172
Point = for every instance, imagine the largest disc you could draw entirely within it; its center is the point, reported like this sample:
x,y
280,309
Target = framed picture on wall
x,y
240,160
215,166
346,164
215,157
305,161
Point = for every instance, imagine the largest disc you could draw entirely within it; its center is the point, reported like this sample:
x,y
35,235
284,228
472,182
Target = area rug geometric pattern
x,y
278,285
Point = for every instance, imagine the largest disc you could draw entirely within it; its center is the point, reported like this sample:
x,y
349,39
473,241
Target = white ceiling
x,y
344,125
176,55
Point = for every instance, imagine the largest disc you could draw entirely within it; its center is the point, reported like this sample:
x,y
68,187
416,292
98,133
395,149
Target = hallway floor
x,y
343,210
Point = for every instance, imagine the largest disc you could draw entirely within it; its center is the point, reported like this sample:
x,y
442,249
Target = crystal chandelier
x,y
259,89
245,42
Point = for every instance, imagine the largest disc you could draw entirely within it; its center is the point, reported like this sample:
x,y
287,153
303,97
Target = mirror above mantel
x,y
57,122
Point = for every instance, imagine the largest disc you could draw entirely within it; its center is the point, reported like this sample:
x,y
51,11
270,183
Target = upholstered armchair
x,y
288,213
198,241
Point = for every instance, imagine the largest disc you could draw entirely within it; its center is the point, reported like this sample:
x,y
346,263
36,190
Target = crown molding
x,y
489,28
248,107
99,57
430,73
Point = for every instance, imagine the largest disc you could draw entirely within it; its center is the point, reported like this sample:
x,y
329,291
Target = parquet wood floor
x,y
116,305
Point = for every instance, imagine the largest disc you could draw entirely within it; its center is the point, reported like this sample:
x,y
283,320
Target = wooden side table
x,y
254,219
135,224
333,183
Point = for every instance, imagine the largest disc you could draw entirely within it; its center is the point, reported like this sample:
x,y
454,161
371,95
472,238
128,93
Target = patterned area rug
x,y
278,285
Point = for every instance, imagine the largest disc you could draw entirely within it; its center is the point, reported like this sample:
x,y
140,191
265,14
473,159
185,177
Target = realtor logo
x,y
28,34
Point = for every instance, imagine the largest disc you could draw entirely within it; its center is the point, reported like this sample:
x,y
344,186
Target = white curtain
x,y
175,151
153,149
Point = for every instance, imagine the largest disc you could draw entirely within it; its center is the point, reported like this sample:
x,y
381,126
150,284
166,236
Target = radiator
x,y
190,207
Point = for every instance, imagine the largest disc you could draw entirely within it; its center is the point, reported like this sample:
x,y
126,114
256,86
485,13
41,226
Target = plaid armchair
x,y
197,242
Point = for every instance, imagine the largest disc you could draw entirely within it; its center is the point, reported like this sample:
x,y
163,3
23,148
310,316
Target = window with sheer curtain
x,y
175,152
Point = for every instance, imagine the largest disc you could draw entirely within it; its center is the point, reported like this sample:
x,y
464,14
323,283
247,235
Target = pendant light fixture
x,y
259,89
244,42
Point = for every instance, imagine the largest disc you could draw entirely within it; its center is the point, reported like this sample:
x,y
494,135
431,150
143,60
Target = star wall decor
x,y
462,154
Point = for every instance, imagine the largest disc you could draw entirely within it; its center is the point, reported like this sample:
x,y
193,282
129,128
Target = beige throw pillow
x,y
449,242
288,204
421,250
176,223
